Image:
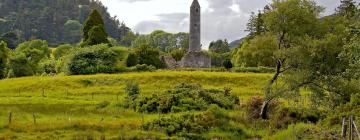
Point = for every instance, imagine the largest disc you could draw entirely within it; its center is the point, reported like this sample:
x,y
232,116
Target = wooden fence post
x,y
10,117
34,118
344,128
43,92
351,128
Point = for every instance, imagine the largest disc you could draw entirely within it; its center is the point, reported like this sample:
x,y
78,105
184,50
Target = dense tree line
x,y
57,21
308,50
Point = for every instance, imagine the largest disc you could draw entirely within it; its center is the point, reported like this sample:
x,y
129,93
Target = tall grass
x,y
72,107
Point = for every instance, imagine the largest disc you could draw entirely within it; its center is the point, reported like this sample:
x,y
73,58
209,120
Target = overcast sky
x,y
221,19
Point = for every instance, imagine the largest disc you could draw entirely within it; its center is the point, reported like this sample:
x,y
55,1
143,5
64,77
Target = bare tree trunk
x,y
265,106
344,127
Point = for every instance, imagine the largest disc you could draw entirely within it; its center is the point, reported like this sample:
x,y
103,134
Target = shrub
x,y
178,54
26,59
91,60
185,97
254,104
103,104
19,66
132,90
190,123
142,68
48,66
227,64
132,60
285,116
298,131
61,51
149,56
254,69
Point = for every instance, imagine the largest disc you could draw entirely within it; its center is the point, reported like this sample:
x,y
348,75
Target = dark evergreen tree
x,y
227,64
93,20
94,30
3,59
219,46
132,60
347,8
10,38
45,19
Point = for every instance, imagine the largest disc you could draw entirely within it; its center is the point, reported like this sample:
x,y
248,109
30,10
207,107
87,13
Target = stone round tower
x,y
195,58
195,27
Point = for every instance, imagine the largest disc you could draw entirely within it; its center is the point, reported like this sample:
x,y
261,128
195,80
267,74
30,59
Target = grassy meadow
x,y
90,106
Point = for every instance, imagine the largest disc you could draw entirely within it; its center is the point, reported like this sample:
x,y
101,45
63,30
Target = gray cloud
x,y
219,21
133,0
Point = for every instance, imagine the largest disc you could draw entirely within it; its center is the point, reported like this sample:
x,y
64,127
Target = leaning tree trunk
x,y
266,103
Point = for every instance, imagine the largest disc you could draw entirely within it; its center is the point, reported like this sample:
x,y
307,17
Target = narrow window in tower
x,y
197,10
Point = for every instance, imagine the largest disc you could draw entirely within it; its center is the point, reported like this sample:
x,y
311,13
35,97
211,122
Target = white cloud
x,y
221,19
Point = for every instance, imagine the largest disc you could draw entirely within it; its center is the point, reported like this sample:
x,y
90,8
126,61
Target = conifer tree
x,y
94,30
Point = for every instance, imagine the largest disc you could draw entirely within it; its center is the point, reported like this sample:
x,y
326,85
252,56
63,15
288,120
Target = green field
x,y
71,107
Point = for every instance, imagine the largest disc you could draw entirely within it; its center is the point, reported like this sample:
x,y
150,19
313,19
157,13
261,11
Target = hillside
x,y
57,21
70,107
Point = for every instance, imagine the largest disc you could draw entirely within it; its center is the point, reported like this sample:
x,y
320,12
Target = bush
x,y
227,64
149,56
132,60
178,54
142,68
297,132
285,116
102,105
61,51
218,59
26,59
254,104
254,69
185,97
190,123
132,90
19,66
48,66
91,60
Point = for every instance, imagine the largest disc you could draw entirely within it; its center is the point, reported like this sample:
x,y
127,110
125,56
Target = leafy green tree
x,y
219,46
132,60
4,54
162,40
347,8
94,30
290,21
19,66
256,24
72,31
10,38
90,60
178,54
34,51
259,51
128,39
181,40
61,50
149,56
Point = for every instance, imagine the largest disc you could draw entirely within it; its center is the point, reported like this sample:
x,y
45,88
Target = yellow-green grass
x,y
68,107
